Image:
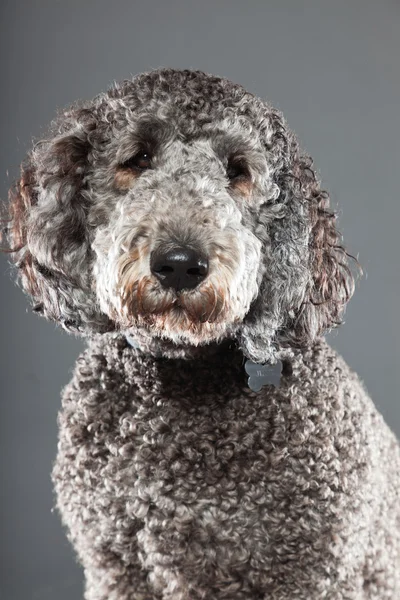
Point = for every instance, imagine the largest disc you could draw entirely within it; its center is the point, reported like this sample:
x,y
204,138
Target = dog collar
x,y
260,375
132,342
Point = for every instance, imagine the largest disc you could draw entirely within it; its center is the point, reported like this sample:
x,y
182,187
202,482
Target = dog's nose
x,y
180,268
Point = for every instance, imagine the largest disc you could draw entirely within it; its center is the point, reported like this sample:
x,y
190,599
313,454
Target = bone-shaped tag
x,y
260,375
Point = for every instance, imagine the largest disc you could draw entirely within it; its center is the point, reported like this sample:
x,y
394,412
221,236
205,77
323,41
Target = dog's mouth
x,y
202,308
144,302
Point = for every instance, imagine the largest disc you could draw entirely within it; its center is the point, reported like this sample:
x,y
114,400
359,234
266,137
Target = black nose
x,y
180,268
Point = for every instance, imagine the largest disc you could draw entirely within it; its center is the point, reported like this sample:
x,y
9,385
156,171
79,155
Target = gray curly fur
x,y
174,479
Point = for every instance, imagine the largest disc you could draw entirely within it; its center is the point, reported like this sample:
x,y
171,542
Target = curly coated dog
x,y
176,223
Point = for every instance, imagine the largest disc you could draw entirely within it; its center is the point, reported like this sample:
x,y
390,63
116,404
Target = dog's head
x,y
178,206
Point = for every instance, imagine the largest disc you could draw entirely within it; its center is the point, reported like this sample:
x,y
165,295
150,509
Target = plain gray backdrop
x,y
332,67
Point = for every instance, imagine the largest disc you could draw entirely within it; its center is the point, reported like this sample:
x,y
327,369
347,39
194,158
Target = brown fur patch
x,y
243,186
124,178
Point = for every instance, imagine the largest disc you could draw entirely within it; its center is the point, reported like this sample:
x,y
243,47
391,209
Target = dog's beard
x,y
194,316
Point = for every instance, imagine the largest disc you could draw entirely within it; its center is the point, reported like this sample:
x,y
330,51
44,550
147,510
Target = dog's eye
x,y
140,162
236,170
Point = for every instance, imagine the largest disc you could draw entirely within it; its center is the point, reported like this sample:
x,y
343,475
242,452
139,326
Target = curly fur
x,y
173,478
75,230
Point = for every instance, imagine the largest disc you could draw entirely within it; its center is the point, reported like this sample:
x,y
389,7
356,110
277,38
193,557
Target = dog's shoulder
x,y
321,386
104,377
322,369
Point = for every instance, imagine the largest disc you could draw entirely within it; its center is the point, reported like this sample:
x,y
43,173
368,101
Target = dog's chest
x,y
199,439
203,462
196,469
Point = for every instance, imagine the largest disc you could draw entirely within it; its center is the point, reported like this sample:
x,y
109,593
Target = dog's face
x,y
174,242
178,206
176,197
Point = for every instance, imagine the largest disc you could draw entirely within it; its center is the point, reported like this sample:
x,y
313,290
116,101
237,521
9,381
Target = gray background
x,y
331,66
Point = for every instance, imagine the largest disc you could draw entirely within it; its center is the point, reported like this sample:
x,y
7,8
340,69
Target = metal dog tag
x,y
132,342
260,375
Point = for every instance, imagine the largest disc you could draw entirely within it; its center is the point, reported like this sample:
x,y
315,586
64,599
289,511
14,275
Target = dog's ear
x,y
47,231
306,280
331,281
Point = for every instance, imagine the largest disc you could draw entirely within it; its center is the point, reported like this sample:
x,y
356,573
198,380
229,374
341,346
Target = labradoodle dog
x,y
175,222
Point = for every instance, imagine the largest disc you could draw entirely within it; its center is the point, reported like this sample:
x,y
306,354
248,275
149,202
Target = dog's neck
x,y
225,353
163,348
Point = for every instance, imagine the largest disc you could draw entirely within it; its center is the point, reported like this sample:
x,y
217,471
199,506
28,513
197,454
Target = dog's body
x,y
175,221
176,481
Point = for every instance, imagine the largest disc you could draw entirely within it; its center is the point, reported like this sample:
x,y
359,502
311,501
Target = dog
x,y
175,222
